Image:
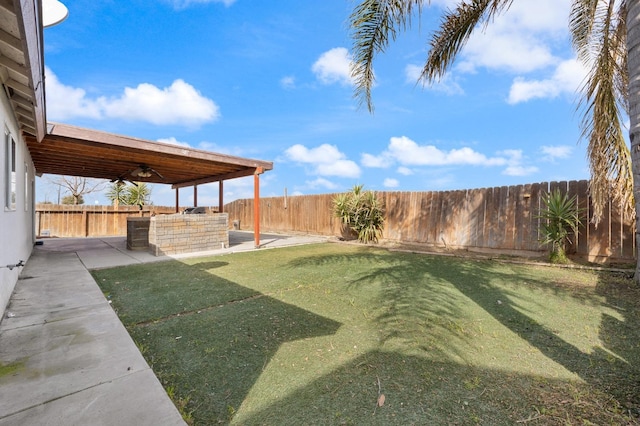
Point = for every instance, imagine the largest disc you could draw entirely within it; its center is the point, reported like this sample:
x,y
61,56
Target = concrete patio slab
x,y
65,357
108,252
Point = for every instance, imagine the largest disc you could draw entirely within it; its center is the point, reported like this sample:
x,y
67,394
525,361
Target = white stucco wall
x,y
16,226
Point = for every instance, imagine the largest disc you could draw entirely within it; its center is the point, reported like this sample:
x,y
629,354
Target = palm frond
x,y
373,24
581,22
454,32
603,48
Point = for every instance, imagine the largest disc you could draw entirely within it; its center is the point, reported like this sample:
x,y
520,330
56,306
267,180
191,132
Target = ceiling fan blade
x,y
159,175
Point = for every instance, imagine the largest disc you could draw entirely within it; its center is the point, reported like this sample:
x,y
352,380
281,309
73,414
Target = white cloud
x,y
567,78
288,82
323,154
520,39
515,158
513,52
341,168
558,151
334,66
391,183
412,73
64,102
408,152
326,160
178,104
380,161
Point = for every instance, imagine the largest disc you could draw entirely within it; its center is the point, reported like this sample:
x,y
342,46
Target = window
x,y
10,177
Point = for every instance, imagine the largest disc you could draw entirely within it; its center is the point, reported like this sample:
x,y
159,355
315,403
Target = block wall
x,y
184,233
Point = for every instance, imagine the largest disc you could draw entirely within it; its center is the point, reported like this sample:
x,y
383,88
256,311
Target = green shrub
x,y
361,214
561,217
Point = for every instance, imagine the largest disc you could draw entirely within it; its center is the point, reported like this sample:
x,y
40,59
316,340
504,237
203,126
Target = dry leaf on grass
x,y
381,400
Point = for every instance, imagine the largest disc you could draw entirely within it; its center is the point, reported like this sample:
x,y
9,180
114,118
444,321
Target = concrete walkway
x,y
107,252
65,358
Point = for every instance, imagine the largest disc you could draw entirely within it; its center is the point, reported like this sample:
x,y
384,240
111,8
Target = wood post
x,y
195,195
220,197
256,206
85,223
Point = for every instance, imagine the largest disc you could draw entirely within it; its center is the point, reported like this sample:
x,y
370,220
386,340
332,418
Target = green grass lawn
x,y
315,334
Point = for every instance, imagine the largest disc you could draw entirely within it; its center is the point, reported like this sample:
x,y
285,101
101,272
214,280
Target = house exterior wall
x,y
17,221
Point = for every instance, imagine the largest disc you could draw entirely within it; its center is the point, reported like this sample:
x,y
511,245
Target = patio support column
x,y
195,195
220,197
256,205
177,200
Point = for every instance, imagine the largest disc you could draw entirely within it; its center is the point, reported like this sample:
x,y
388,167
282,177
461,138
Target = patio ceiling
x,y
75,151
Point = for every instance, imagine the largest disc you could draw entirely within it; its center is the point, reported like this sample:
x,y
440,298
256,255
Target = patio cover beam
x,y
219,178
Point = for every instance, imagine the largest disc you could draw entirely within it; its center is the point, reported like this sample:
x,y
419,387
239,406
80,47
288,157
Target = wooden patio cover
x,y
74,151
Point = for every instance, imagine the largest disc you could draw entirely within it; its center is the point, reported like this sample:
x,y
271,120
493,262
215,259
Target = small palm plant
x,y
361,214
138,194
133,194
561,217
117,193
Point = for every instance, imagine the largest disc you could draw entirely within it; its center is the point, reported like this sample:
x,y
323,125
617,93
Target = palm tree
x,y
633,58
600,38
116,193
133,194
138,194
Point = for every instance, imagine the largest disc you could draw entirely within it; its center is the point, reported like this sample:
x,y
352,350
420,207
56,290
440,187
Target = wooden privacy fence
x,y
53,220
503,219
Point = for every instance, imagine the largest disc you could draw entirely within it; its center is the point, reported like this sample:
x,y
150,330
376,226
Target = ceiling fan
x,y
145,171
120,181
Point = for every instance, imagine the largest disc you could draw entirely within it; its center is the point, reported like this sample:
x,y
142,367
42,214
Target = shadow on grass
x,y
416,288
211,350
413,310
622,337
613,370
421,391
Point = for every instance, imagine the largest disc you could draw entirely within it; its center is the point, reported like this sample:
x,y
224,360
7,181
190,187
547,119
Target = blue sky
x,y
270,80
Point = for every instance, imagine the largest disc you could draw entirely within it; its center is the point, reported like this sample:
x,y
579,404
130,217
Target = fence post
x,y
85,222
